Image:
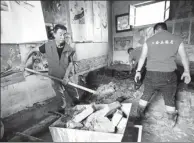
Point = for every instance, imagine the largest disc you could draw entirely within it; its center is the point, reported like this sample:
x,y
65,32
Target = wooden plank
x,y
41,126
28,137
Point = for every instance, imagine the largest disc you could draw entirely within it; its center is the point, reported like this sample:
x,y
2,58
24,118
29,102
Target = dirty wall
x,y
90,55
181,22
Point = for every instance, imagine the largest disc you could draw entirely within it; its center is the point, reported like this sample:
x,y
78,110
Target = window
x,y
167,10
149,13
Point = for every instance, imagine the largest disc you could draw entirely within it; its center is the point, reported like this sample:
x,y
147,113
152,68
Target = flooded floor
x,y
154,124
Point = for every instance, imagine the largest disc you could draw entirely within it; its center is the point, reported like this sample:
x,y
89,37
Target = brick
x,y
84,114
117,117
73,125
104,125
113,107
121,126
107,109
98,114
126,108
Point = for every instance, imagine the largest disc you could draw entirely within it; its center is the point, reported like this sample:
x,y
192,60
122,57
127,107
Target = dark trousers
x,y
164,82
61,94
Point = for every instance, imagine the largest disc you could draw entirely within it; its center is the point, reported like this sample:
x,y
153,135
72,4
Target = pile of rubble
x,y
109,118
117,91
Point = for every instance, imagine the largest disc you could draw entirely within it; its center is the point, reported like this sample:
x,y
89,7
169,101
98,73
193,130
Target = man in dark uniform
x,y
161,50
60,63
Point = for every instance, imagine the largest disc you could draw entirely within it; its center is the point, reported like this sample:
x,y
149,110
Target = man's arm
x,y
185,61
184,57
142,57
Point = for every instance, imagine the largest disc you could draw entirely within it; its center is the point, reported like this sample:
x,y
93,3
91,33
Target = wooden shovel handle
x,y
58,79
83,88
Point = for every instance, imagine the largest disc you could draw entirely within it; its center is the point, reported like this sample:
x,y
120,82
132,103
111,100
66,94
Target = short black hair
x,y
59,26
129,50
161,25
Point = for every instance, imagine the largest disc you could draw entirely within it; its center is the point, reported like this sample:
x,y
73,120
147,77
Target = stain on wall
x,y
10,57
182,29
19,96
182,9
55,12
35,89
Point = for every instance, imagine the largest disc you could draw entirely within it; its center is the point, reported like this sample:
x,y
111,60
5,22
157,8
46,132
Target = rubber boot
x,y
137,84
140,114
141,111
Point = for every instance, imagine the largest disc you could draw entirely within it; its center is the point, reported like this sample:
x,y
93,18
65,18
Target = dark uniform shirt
x,y
162,51
58,58
59,50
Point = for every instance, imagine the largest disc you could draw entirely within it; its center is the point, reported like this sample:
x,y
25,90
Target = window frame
x,y
135,6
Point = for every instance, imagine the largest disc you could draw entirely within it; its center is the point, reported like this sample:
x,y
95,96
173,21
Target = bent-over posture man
x,y
134,55
60,57
160,51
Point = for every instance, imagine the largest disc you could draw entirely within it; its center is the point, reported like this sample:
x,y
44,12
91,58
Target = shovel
x,y
60,80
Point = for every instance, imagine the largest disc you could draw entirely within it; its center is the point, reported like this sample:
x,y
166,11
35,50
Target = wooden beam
x,y
41,126
28,137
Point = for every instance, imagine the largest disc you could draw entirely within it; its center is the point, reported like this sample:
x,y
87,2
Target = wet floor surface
x,y
154,124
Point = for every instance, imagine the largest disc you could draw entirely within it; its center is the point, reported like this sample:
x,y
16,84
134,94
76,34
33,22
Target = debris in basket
x,y
117,117
74,125
126,109
98,114
109,118
122,125
103,125
77,110
113,107
121,99
85,113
